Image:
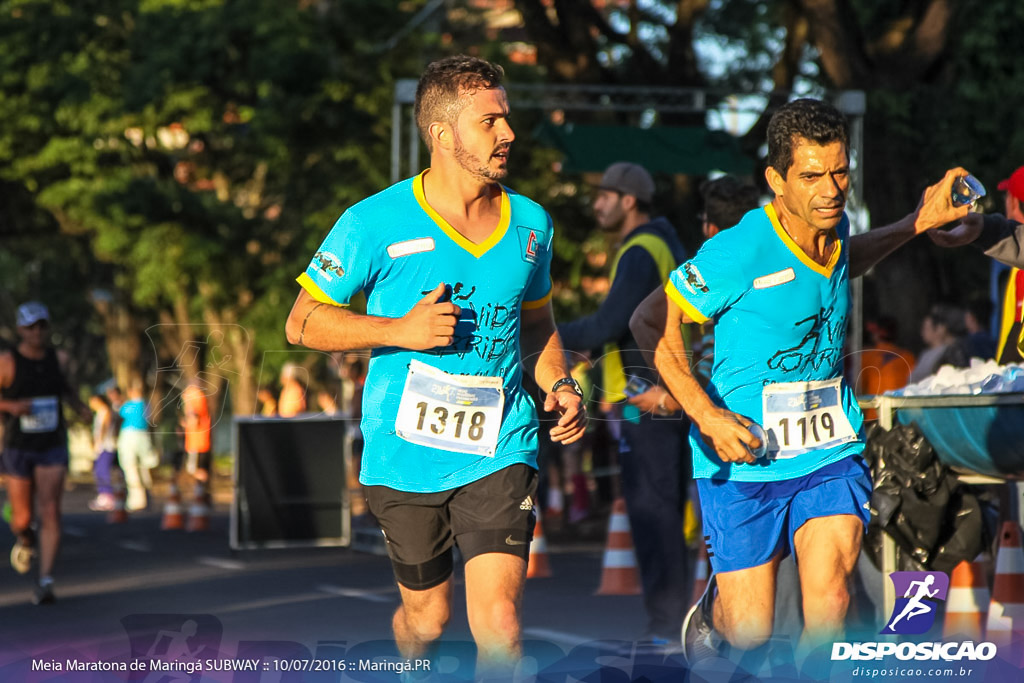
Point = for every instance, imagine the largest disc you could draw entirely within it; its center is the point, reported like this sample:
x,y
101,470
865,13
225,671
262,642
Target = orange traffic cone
x,y
701,572
173,518
538,567
620,573
555,502
1006,613
199,512
118,514
967,601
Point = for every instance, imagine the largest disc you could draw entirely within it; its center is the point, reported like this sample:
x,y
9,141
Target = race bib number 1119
x,y
804,416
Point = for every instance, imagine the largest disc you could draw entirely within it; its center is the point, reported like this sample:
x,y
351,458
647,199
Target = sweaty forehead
x,y
492,100
808,154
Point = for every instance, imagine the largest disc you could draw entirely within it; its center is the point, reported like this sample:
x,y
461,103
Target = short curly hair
x,y
440,91
809,119
726,200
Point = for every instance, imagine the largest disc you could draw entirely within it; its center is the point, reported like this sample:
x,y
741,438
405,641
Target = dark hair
x,y
884,327
981,307
100,397
949,316
440,91
813,120
726,200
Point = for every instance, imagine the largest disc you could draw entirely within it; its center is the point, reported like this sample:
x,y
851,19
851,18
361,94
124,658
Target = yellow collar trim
x,y
823,270
473,248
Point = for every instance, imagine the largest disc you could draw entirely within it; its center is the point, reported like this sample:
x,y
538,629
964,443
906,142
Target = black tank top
x,y
42,382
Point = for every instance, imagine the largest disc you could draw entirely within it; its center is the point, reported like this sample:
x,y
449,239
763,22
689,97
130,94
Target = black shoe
x,y
44,593
699,638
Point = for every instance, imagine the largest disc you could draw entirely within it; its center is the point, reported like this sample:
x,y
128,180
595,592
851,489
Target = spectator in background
x,y
352,372
1001,238
653,455
943,333
196,425
977,321
292,399
104,444
135,449
884,366
266,401
726,200
116,399
327,400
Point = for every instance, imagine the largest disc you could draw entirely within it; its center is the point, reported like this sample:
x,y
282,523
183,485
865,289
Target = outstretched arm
x,y
656,327
934,210
998,236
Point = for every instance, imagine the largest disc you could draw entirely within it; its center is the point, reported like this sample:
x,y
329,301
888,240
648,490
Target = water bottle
x,y
966,190
758,431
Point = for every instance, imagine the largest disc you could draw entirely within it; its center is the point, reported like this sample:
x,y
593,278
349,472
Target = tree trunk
x,y
122,333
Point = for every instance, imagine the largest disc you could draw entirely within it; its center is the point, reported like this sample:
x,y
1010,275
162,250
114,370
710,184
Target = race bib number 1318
x,y
460,413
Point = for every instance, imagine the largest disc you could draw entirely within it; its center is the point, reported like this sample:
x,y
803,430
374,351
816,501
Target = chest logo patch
x,y
529,241
409,247
775,279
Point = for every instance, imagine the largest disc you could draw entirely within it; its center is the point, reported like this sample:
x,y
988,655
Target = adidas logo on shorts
x,y
527,504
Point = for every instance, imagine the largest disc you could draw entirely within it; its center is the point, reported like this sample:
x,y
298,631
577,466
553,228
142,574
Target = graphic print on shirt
x,y
484,328
810,352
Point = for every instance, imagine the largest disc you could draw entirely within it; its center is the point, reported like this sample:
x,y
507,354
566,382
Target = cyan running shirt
x,y
395,248
780,324
133,415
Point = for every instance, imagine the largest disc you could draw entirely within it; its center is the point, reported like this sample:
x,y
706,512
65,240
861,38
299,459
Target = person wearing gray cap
x,y
35,452
653,452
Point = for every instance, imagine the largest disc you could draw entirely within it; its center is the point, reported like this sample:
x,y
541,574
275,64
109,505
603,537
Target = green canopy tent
x,y
691,150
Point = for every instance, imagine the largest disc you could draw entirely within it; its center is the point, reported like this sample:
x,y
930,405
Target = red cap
x,y
1014,184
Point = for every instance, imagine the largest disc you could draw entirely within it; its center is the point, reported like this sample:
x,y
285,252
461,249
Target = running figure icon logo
x,y
914,613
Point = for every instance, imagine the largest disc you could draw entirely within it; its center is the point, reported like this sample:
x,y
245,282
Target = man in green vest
x,y
653,452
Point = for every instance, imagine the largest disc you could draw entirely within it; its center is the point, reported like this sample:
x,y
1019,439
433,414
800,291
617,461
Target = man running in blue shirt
x,y
455,268
777,286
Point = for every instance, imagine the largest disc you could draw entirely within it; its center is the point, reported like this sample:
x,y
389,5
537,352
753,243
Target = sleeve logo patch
x,y
409,247
775,279
328,264
694,280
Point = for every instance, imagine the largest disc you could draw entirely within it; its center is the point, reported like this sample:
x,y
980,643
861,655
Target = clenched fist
x,y
430,323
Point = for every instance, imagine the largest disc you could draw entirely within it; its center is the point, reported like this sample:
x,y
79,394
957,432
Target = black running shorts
x,y
490,515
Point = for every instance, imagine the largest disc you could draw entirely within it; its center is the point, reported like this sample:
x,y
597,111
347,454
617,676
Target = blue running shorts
x,y
747,523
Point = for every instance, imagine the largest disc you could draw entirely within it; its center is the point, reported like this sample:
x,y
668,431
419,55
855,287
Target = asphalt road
x,y
130,591
139,604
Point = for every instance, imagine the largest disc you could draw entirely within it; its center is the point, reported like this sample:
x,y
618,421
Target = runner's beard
x,y
476,166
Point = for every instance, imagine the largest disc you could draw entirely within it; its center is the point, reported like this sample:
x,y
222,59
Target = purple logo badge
x,y
917,595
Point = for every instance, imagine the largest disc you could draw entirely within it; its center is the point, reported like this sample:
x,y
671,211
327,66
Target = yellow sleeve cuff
x,y
539,303
680,301
306,282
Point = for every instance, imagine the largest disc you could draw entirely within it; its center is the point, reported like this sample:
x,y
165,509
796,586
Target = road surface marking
x,y
140,546
570,639
371,595
221,563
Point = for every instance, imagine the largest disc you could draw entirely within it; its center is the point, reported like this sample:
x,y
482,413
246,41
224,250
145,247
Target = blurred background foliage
x,y
169,166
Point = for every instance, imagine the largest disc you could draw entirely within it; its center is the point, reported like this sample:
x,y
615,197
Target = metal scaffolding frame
x,y
640,98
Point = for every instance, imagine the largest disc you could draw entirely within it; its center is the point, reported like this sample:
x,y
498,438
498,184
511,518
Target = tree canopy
x,y
172,164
